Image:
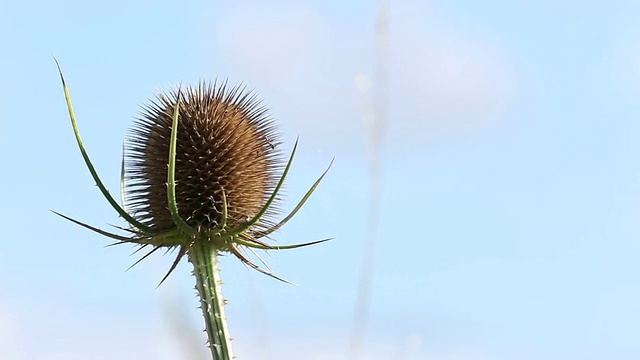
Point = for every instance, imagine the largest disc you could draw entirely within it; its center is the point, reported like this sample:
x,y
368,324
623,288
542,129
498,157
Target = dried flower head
x,y
225,142
201,167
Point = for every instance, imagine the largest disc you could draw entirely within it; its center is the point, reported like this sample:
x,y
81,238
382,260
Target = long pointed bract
x,y
304,199
278,247
246,261
93,228
257,217
92,170
171,174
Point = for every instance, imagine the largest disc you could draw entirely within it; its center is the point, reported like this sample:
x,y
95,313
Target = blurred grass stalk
x,y
375,116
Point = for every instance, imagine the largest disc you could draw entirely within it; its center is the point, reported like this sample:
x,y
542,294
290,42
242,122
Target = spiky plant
x,y
200,176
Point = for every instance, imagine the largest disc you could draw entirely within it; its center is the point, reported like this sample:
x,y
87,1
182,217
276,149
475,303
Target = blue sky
x,y
510,192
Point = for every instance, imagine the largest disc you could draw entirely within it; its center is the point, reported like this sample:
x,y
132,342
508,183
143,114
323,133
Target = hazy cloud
x,y
321,68
272,41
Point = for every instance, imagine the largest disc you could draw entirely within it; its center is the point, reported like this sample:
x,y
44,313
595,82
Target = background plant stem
x,y
204,257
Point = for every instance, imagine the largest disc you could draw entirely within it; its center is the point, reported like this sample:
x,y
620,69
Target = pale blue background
x,y
510,191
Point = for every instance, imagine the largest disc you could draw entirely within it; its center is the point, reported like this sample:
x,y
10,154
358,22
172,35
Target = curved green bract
x,y
93,228
234,250
142,227
123,182
298,206
219,232
276,247
257,217
171,175
225,212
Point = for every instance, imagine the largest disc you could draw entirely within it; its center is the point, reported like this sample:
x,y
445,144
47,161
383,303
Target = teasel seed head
x,y
226,142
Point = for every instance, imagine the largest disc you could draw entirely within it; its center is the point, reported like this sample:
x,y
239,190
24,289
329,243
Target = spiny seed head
x,y
225,140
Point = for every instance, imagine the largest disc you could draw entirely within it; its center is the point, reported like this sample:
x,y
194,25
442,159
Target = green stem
x,y
204,257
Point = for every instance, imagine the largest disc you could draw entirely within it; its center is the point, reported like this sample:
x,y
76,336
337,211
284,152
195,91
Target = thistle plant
x,y
199,175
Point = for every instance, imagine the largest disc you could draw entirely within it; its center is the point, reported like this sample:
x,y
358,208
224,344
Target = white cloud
x,y
444,71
